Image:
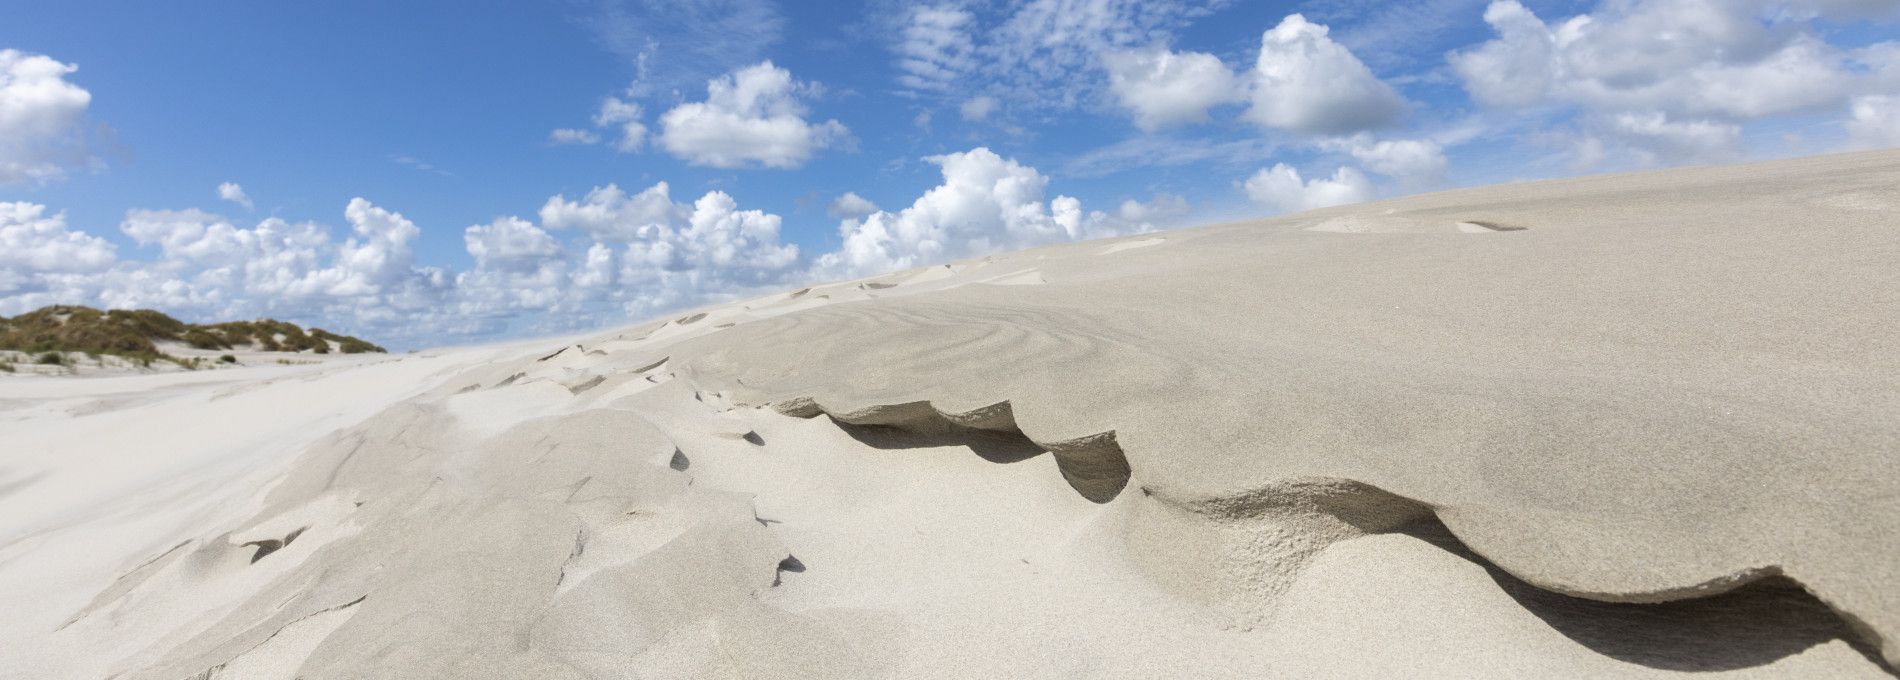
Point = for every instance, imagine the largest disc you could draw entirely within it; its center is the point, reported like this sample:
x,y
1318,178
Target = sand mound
x,y
1650,433
1607,401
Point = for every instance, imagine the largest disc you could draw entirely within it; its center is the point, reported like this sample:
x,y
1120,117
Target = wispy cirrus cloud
x,y
1152,151
1041,53
409,161
1398,36
680,44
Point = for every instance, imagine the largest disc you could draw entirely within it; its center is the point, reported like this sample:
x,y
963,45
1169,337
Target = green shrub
x,y
199,338
346,343
228,359
147,322
78,329
52,359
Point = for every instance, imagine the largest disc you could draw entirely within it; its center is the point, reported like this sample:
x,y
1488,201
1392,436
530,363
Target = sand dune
x,y
1624,426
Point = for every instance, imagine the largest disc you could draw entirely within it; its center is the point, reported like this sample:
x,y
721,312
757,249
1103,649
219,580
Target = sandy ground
x,y
1628,426
81,364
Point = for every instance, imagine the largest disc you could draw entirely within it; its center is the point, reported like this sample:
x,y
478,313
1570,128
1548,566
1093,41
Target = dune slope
x,y
1625,426
1635,388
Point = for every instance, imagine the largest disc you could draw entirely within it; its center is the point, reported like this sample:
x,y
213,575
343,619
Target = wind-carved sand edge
x,y
1094,464
1097,468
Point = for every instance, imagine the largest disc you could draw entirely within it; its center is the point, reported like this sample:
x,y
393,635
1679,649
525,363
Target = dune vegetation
x,y
136,333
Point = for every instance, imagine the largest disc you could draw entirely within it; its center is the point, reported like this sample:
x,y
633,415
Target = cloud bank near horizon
x,y
625,255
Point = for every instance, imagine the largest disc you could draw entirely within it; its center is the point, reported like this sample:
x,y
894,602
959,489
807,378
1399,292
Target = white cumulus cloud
x,y
720,236
32,241
509,244
230,191
622,116
1681,57
1162,210
617,120
1876,121
1656,138
187,235
41,118
1518,67
610,214
1131,217
1162,88
1281,188
1414,162
1305,82
377,254
850,205
519,268
751,117
701,248
209,268
985,204
1673,81
597,267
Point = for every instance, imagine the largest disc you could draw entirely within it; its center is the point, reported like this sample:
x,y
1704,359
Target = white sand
x,y
1626,426
26,364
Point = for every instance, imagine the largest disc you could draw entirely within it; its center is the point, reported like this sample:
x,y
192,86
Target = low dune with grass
x,y
73,339
1638,425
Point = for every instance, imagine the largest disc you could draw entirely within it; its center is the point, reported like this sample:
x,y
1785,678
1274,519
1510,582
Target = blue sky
x,y
422,174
